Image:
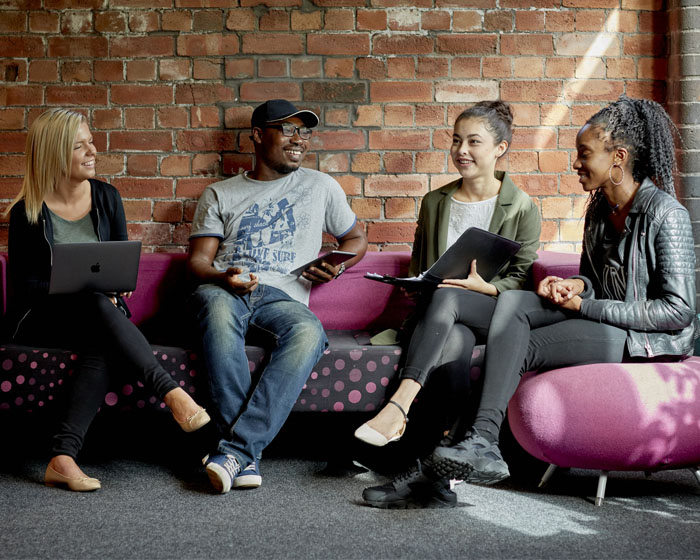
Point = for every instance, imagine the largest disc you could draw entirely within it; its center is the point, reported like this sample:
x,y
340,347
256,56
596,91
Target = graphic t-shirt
x,y
271,227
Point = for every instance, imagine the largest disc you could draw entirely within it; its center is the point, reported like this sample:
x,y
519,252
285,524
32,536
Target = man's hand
x,y
321,274
473,282
238,286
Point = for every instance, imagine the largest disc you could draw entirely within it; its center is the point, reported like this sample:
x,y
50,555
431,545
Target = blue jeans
x,y
249,417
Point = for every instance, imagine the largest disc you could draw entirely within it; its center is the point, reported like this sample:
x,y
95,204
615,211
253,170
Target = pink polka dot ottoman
x,y
351,376
611,417
34,379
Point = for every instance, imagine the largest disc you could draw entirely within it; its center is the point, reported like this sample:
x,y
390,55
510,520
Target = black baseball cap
x,y
275,110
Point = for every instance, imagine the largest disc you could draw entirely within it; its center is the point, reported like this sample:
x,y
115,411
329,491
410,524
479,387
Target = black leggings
x,y
447,332
529,334
92,326
438,356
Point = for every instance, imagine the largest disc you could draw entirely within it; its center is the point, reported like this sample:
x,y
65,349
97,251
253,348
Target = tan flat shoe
x,y
83,484
373,437
196,421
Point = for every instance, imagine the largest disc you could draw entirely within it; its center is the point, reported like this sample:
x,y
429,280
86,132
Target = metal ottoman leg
x,y
696,472
547,475
600,494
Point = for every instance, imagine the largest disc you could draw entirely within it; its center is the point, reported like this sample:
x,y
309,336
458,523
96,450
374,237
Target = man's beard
x,y
281,167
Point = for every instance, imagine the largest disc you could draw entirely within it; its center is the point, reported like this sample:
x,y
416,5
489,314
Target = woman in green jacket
x,y
459,312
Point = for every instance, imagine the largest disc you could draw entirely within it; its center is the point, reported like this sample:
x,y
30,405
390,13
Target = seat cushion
x,y
35,379
351,375
635,416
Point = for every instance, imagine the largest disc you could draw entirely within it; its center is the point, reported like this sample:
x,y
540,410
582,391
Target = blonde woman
x,y
61,202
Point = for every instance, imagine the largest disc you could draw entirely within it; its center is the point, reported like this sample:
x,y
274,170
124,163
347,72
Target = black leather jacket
x,y
659,307
30,249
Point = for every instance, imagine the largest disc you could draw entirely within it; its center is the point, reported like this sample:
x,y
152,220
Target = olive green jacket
x,y
515,217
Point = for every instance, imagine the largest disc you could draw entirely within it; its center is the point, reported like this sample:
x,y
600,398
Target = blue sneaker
x,y
248,477
221,469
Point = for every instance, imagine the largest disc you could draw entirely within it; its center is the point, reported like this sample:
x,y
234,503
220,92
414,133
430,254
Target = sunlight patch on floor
x,y
550,520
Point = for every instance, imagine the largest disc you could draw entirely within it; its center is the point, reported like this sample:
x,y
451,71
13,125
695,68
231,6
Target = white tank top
x,y
464,215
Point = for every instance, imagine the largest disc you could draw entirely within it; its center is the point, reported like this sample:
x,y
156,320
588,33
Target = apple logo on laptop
x,y
95,267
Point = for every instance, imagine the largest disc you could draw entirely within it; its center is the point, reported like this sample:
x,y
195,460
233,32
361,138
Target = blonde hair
x,y
49,152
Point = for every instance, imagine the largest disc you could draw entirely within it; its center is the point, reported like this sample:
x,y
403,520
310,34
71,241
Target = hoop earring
x,y
613,180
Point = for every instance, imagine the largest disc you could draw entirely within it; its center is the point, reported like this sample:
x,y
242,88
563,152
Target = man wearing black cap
x,y
248,233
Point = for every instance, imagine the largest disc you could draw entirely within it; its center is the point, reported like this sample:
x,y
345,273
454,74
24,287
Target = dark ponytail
x,y
497,116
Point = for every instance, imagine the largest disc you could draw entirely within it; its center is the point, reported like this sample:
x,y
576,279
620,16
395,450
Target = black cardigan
x,y
30,249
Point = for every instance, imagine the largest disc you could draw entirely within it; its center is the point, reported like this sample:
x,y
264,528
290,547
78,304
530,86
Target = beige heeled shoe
x,y
373,437
82,484
196,421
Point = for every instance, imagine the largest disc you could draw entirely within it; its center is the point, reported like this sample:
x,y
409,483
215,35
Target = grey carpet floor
x,y
150,510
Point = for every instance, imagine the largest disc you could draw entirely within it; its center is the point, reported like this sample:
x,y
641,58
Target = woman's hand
x,y
113,297
473,282
562,292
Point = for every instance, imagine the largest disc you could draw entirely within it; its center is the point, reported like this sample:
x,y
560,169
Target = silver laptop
x,y
108,266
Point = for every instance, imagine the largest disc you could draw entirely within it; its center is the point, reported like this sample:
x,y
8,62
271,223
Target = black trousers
x,y
103,338
446,333
438,356
529,334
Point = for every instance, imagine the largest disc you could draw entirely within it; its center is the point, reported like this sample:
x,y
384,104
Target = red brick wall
x,y
169,86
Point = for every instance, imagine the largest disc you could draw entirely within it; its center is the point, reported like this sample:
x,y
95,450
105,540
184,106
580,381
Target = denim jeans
x,y
249,417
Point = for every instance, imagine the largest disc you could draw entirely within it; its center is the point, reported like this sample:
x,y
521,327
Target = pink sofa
x,y
632,416
351,376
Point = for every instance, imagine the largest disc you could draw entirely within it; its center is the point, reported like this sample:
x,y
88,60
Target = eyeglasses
x,y
288,129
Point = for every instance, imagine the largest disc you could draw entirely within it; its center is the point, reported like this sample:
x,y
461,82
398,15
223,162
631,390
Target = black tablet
x,y
334,258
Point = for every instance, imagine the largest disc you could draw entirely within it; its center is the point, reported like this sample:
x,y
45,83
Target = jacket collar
x,y
505,199
643,196
642,199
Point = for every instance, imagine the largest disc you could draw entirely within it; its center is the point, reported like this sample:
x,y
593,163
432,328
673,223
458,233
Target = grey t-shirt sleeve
x,y
207,219
340,218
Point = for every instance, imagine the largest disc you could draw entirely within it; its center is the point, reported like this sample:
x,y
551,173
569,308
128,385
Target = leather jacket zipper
x,y
647,344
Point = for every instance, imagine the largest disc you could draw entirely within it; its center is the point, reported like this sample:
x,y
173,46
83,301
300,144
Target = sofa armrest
x,y
551,263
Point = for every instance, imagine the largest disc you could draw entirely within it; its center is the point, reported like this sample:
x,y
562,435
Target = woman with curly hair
x,y
634,299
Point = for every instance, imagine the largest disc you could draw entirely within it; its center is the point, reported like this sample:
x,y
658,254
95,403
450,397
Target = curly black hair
x,y
647,132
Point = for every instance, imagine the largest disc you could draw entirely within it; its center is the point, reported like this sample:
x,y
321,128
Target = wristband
x,y
340,270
